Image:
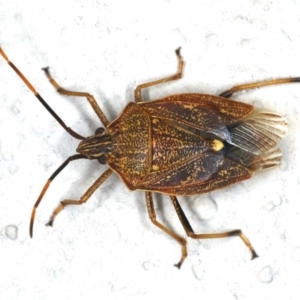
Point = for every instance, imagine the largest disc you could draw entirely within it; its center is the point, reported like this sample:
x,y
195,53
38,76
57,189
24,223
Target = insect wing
x,y
206,113
201,174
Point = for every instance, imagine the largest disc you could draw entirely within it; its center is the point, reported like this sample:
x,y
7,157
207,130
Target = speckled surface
x,y
108,248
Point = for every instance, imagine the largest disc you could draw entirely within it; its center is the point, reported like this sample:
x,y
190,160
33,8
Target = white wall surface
x,y
108,248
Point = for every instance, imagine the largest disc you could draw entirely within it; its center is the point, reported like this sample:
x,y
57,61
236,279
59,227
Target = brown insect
x,y
183,144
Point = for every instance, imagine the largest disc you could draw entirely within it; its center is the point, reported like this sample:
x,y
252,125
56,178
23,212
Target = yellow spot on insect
x,y
217,145
155,168
228,112
223,173
188,106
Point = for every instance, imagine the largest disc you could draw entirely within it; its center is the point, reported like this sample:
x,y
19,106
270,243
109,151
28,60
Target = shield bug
x,y
183,144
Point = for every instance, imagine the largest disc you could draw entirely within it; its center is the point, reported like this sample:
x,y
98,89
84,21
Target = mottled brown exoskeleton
x,y
183,144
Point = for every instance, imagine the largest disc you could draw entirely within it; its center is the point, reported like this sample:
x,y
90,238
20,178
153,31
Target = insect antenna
x,y
42,101
45,188
60,121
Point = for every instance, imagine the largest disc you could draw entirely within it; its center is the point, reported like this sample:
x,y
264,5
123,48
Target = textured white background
x,y
108,248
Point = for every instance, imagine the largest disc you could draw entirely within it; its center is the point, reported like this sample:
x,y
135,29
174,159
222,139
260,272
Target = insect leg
x,y
257,84
190,232
45,188
89,97
39,97
152,216
83,198
138,91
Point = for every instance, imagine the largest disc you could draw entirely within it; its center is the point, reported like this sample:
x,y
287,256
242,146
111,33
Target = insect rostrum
x,y
183,144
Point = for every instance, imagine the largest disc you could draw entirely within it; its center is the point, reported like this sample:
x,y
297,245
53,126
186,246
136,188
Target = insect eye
x,y
102,160
100,131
